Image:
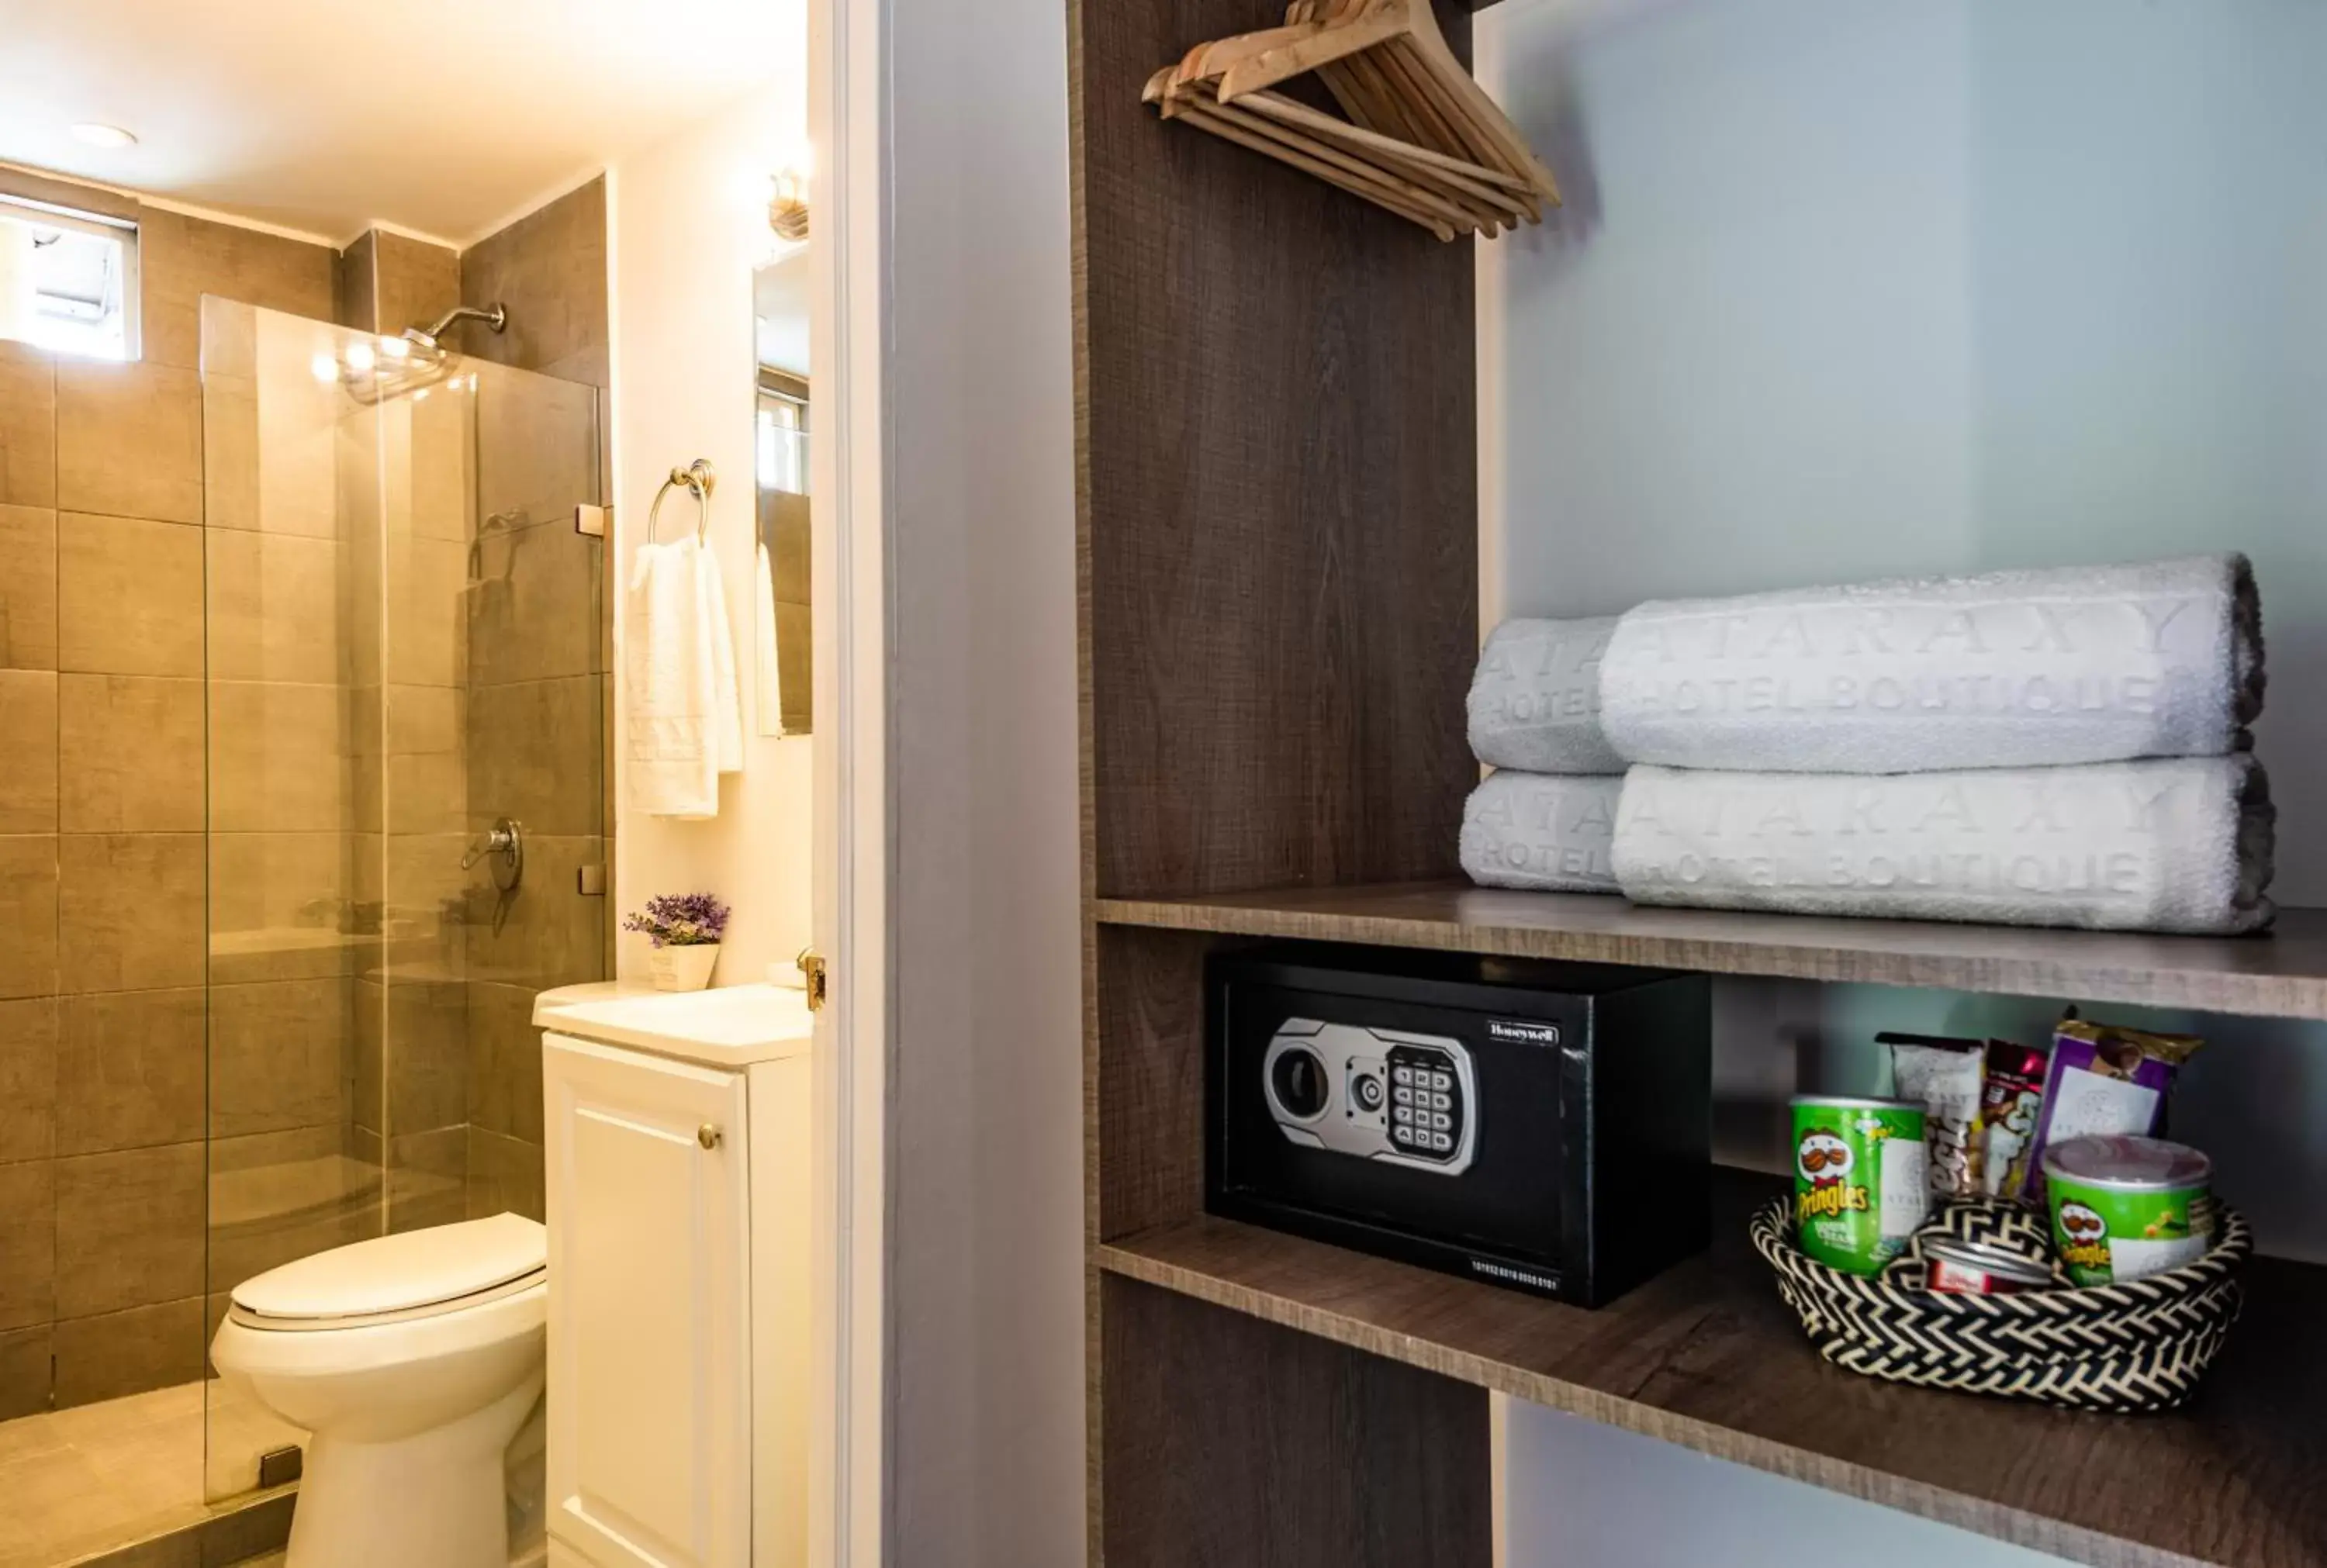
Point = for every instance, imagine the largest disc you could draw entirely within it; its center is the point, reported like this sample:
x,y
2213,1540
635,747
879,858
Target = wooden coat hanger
x,y
1422,139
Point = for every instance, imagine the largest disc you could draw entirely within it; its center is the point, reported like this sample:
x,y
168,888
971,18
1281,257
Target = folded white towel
x,y
1541,833
1535,700
2179,844
2015,669
682,726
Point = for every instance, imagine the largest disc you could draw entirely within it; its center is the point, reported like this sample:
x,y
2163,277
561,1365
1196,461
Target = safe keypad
x,y
1426,1108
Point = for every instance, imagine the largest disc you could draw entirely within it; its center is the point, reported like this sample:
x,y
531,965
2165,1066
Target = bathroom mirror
x,y
781,421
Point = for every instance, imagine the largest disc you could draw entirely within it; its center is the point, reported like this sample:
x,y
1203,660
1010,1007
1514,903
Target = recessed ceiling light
x,y
98,135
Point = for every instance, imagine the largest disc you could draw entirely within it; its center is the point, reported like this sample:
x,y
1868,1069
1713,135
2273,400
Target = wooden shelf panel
x,y
2280,975
1706,1356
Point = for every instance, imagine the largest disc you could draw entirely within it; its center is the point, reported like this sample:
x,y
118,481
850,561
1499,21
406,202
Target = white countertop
x,y
727,1026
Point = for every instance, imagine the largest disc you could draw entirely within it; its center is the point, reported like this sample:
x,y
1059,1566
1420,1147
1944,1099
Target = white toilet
x,y
411,1360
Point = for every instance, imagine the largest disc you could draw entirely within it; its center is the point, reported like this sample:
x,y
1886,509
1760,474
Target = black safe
x,y
1540,1125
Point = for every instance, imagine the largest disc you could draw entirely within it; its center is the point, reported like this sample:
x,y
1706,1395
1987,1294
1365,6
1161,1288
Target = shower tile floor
x,y
75,1483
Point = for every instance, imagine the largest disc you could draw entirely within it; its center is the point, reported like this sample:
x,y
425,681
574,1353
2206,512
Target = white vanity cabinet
x,y
678,1301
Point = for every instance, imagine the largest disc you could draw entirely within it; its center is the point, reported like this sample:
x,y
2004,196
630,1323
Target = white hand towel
x,y
1534,701
1542,832
2180,844
2015,669
676,729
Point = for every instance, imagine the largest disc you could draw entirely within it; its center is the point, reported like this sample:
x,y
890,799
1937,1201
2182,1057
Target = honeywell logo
x,y
1522,1033
1517,1276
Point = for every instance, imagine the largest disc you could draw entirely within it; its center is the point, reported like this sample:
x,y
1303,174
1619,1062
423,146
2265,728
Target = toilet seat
x,y
236,1312
396,1279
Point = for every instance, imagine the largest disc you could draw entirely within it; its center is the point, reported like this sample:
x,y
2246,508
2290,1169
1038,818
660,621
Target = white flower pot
x,y
685,968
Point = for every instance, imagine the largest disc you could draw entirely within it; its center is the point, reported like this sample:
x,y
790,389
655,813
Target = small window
x,y
68,280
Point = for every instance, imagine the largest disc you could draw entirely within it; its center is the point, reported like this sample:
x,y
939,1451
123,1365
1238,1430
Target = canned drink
x,y
1860,1174
1961,1268
2124,1207
2011,1094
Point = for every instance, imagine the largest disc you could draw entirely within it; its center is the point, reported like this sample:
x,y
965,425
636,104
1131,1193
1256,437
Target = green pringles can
x,y
2124,1207
1861,1179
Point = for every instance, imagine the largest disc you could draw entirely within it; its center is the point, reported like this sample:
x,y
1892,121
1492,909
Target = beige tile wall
x,y
389,281
549,268
103,774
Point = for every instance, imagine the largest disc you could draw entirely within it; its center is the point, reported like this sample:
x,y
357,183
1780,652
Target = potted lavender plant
x,y
684,929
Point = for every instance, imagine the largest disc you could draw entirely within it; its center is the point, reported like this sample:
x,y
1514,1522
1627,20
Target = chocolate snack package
x,y
2010,1095
1943,1076
2104,1081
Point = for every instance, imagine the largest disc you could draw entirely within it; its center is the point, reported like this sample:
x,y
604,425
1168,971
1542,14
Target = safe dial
x,y
1297,1083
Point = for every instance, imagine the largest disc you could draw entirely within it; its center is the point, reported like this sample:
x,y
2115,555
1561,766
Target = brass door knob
x,y
708,1135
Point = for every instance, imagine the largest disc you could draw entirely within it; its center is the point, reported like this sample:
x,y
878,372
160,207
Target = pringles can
x,y
2124,1207
1860,1174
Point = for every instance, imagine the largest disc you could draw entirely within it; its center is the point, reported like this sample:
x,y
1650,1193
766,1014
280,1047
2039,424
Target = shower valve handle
x,y
500,841
505,847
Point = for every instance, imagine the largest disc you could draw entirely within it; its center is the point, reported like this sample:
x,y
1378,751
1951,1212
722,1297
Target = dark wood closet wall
x,y
1277,488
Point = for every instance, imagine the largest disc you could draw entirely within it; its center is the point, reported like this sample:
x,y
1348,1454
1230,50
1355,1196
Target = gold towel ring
x,y
698,480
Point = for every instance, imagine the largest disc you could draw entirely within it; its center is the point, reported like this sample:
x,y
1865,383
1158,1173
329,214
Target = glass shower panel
x,y
291,547
538,642
405,643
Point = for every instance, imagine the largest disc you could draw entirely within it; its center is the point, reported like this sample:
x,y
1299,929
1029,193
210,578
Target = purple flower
x,y
680,919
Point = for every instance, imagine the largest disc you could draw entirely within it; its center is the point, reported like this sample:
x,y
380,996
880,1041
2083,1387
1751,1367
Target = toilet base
x,y
438,1498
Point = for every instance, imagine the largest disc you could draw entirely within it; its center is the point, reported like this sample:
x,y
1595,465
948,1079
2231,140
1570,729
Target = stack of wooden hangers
x,y
1422,139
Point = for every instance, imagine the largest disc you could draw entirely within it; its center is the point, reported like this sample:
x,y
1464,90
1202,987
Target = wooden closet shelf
x,y
1706,1356
2280,975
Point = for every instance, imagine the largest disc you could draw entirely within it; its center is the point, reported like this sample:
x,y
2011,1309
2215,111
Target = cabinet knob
x,y
708,1135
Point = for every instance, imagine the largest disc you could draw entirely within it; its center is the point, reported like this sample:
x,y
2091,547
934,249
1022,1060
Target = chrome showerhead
x,y
376,369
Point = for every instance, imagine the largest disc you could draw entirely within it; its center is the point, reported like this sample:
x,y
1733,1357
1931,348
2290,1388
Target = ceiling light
x,y
394,348
326,369
359,358
99,135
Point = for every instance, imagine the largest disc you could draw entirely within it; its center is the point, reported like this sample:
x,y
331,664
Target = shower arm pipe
x,y
494,316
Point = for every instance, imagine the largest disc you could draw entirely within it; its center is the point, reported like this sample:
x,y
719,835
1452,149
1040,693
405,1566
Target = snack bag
x,y
2104,1081
1943,1076
2010,1095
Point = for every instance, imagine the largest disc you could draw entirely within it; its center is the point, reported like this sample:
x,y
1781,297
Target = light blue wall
x,y
1849,289
1743,353
1586,1496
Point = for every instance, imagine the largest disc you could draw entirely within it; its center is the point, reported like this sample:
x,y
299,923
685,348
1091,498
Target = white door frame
x,y
846,115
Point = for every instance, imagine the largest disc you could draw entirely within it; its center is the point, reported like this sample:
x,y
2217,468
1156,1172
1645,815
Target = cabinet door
x,y
649,1355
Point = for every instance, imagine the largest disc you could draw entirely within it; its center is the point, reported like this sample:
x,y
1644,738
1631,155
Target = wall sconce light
x,y
788,205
